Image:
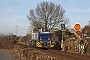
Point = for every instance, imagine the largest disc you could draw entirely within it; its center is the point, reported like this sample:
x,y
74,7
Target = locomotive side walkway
x,y
4,55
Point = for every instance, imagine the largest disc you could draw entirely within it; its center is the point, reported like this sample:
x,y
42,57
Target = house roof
x,y
85,28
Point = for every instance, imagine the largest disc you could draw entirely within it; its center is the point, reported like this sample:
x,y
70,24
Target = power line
x,y
62,2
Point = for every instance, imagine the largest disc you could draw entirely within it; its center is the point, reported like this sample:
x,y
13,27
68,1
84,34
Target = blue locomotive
x,y
41,39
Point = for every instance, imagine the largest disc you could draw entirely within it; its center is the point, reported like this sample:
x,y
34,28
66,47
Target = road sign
x,y
77,27
63,26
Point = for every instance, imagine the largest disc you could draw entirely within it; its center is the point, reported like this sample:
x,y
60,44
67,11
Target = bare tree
x,y
36,23
47,15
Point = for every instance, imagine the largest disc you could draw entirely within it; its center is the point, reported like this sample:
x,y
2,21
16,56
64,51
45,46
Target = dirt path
x,y
4,55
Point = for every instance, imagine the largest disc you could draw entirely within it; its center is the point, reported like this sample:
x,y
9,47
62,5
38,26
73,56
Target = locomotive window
x,y
35,31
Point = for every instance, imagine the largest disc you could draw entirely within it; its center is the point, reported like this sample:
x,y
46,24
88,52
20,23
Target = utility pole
x,y
89,22
16,30
63,29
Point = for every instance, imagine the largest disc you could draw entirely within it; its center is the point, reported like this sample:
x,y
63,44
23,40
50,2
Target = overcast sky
x,y
13,12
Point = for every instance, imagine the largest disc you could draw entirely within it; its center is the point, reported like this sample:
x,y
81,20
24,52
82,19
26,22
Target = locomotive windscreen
x,y
44,36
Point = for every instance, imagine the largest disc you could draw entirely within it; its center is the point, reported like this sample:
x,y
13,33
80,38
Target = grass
x,y
6,50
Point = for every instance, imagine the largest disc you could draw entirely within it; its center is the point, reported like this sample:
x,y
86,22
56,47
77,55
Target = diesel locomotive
x,y
41,39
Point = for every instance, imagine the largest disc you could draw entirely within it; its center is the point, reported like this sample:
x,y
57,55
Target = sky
x,y
13,13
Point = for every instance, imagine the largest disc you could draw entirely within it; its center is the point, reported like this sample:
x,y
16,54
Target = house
x,y
83,32
86,32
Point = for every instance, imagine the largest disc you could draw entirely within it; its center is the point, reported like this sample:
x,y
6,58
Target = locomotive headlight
x,y
40,38
52,42
49,42
40,41
48,38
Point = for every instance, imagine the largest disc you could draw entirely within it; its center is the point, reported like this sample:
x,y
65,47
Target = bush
x,y
7,41
8,37
24,40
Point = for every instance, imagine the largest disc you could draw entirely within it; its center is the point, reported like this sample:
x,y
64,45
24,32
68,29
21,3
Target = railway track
x,y
61,55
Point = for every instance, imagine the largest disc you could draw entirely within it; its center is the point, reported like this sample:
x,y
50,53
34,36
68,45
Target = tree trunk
x,y
46,25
